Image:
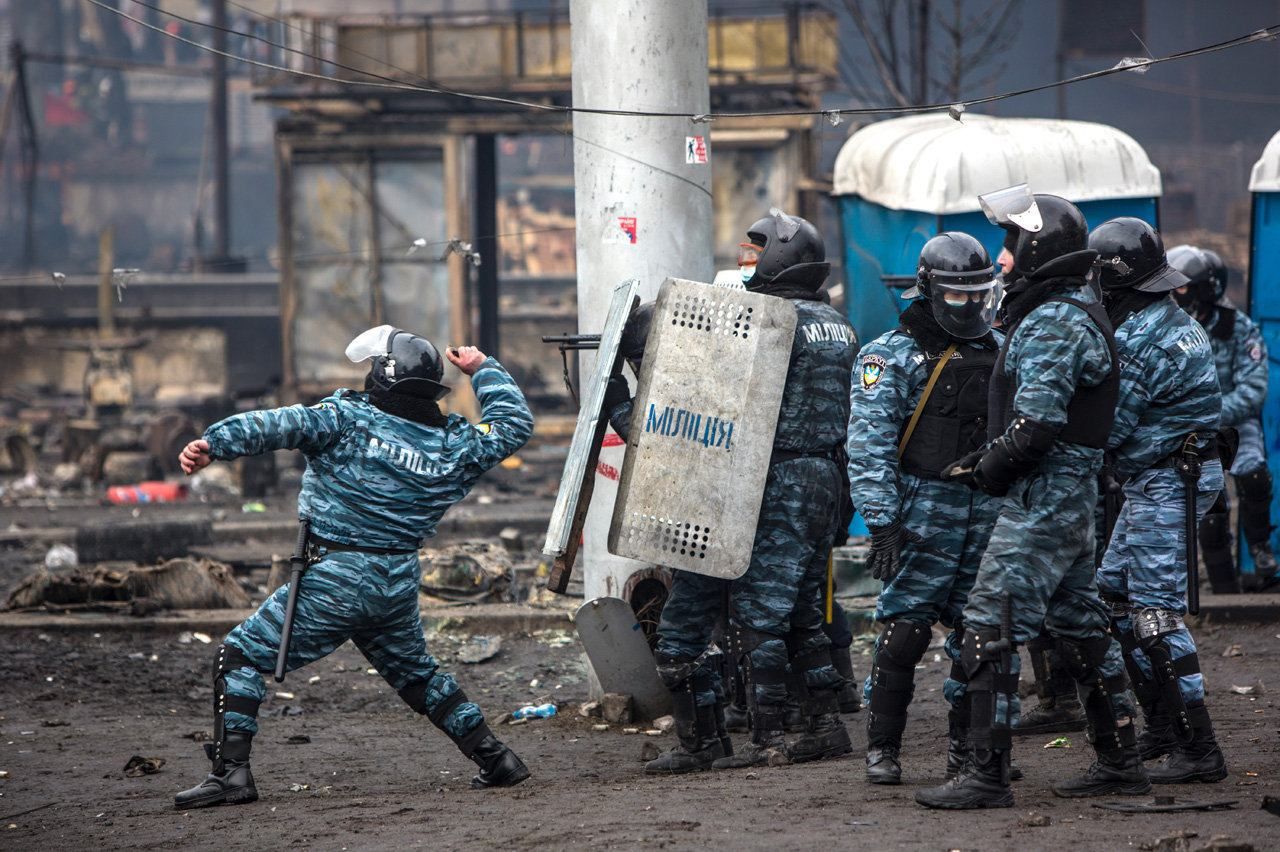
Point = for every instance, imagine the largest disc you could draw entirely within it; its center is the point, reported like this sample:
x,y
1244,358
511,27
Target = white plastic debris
x,y
287,696
202,638
313,679
61,556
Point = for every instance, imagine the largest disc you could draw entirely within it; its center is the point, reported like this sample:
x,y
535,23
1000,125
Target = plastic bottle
x,y
528,711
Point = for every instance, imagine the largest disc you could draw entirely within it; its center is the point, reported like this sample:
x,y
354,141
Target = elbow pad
x,y
1014,454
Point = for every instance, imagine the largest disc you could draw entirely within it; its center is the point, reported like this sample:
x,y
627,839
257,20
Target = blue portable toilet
x,y
899,182
1264,300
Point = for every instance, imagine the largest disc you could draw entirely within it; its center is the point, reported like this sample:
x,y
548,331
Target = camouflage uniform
x,y
1041,550
1240,358
775,608
951,520
376,482
1168,390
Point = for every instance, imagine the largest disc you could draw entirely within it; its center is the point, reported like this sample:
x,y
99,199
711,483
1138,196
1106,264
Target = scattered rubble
x,y
139,766
472,571
616,707
176,584
480,649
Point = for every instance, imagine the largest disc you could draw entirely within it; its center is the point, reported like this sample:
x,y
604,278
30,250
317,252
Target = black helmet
x,y
956,275
635,334
1131,255
788,250
1203,287
403,363
1047,235
1220,271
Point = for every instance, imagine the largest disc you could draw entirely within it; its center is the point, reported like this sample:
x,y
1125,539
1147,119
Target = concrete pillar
x,y
642,210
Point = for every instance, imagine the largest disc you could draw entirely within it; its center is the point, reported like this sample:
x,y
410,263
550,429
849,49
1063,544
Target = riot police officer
x,y
775,620
1164,448
1053,394
1240,354
383,466
918,402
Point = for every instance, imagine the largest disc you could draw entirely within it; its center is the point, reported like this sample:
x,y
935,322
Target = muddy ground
x,y
75,708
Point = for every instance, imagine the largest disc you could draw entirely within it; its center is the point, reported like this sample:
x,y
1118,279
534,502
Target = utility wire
x,y
414,247
955,107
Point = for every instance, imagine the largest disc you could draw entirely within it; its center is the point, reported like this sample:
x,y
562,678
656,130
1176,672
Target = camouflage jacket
x,y
375,479
1168,386
1240,355
1052,351
815,402
886,389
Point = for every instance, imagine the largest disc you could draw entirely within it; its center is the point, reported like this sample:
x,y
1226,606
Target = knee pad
x,y
1083,657
415,695
973,646
676,673
740,640
903,644
1151,624
1255,485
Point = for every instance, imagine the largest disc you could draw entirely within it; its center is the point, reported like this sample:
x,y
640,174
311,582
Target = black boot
x,y
499,765
824,734
736,718
230,782
699,739
957,742
1200,759
884,746
1264,568
1059,709
1115,772
850,695
1219,564
1118,768
982,782
1159,736
768,746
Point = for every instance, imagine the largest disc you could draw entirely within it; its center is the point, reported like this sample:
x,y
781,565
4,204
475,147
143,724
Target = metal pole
x,y
221,145
641,211
106,290
485,241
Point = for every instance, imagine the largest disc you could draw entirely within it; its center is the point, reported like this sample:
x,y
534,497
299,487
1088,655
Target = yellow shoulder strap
x,y
924,397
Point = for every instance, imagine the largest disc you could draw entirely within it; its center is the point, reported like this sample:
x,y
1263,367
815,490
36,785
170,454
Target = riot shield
x,y
702,428
574,496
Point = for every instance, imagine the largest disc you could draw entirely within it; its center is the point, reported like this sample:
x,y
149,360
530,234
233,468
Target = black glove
x,y
885,559
616,393
962,469
1014,454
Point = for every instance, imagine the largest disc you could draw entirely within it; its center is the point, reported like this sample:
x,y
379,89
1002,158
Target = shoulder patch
x,y
1255,352
873,367
323,406
484,428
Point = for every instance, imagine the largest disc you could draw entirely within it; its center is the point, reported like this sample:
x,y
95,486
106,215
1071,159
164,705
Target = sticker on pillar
x,y
695,150
626,231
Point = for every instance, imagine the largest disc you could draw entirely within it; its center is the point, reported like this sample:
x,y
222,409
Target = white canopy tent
x,y
1265,176
935,164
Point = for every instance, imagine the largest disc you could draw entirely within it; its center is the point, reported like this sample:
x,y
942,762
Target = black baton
x,y
1193,552
1189,470
298,564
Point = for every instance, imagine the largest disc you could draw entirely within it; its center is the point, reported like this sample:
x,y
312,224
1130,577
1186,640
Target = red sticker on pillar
x,y
627,229
695,150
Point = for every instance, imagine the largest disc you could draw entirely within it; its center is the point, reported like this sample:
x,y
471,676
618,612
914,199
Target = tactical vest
x,y
954,419
1092,410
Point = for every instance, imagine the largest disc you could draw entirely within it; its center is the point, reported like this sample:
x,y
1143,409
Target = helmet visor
x,y
370,344
965,310
1014,206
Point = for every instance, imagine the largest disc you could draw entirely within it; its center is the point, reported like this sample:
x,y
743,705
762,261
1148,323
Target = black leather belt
x,y
327,544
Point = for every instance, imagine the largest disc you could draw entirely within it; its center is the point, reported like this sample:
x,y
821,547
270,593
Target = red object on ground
x,y
147,492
